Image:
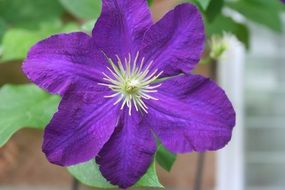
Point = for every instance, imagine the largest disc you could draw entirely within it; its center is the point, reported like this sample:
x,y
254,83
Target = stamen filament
x,y
131,82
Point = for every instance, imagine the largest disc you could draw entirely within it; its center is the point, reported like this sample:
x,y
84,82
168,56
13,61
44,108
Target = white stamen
x,y
131,82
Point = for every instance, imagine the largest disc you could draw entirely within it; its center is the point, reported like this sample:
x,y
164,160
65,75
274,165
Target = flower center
x,y
132,83
132,86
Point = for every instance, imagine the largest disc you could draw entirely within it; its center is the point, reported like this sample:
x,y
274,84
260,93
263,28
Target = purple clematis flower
x,y
125,87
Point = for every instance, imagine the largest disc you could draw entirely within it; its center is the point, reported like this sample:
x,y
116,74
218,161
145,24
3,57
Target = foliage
x,y
17,41
29,13
24,106
150,2
24,22
2,28
88,173
165,158
83,9
263,12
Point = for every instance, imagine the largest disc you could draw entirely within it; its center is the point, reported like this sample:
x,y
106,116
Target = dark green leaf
x,y
226,24
29,13
165,158
83,9
264,12
195,2
150,2
214,8
24,106
89,174
17,42
2,29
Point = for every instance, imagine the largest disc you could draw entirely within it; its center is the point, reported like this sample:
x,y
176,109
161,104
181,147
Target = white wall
x,y
230,166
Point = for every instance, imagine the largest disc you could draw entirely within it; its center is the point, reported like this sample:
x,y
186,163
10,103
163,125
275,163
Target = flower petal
x,y
120,28
176,42
126,157
192,114
64,59
77,132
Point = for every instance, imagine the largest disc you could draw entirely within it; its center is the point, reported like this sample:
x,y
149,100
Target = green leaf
x,y
150,179
24,106
150,2
227,24
88,26
165,158
214,9
17,42
264,12
2,29
89,174
203,3
29,13
83,9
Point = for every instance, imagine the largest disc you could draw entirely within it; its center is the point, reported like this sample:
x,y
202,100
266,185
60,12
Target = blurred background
x,y
245,54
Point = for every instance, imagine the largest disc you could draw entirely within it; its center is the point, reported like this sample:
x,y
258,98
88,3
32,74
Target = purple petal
x,y
121,26
128,154
77,132
192,114
61,60
176,42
